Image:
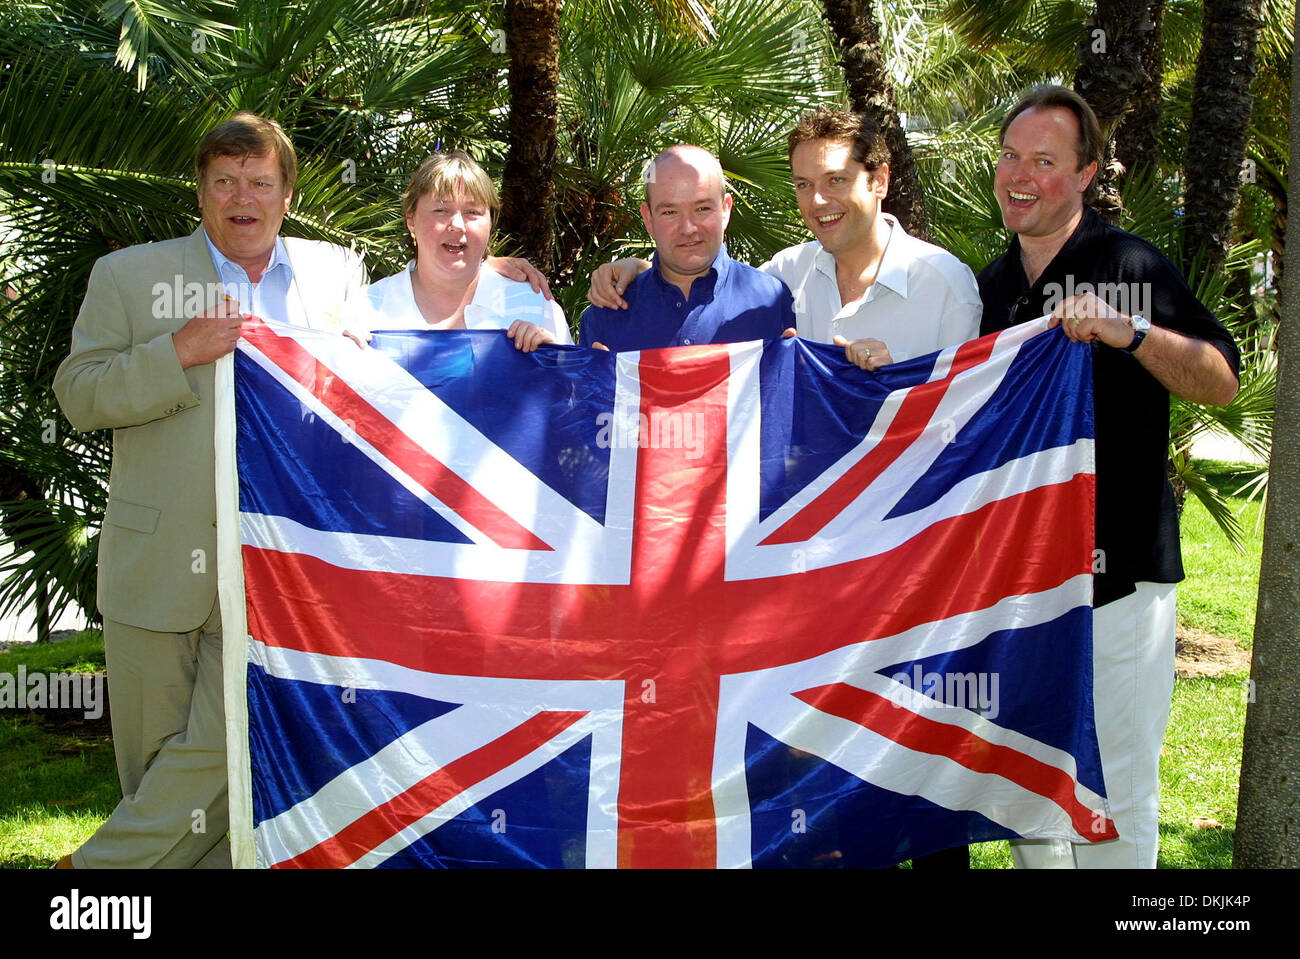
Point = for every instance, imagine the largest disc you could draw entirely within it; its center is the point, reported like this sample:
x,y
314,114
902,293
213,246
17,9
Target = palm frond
x,y
54,555
1214,502
174,33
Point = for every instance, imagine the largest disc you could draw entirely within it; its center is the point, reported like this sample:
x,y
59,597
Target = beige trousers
x,y
165,695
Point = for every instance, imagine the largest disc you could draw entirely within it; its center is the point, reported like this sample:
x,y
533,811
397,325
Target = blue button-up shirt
x,y
730,303
269,297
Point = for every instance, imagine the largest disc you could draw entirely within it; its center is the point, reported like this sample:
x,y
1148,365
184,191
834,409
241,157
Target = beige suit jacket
x,y
157,548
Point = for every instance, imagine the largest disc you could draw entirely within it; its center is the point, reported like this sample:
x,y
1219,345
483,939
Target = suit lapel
x,y
300,305
197,262
197,267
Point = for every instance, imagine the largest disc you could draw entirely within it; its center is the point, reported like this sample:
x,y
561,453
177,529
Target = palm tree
x,y
1216,135
100,110
1137,144
735,89
1267,836
115,96
1264,190
1111,72
532,29
872,94
115,101
1034,33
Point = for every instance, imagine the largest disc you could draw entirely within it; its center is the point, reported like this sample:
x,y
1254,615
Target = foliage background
x,y
102,104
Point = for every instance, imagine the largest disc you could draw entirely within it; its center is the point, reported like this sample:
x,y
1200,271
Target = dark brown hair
x,y
1090,144
244,135
869,147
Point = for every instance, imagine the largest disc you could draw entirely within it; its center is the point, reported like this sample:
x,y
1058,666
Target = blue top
x,y
267,298
730,303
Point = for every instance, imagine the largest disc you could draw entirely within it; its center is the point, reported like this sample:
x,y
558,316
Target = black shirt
x,y
1137,523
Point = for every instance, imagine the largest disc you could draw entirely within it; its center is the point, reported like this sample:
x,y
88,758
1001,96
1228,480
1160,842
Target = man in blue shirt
x,y
694,293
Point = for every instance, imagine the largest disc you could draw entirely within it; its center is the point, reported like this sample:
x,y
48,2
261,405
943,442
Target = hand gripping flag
x,y
738,605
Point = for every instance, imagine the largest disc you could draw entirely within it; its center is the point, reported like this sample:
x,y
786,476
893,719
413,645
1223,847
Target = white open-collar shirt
x,y
923,299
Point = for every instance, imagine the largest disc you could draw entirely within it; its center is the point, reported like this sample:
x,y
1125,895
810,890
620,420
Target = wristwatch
x,y
1140,327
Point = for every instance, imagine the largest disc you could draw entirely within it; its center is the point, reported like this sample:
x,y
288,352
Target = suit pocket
x,y
128,515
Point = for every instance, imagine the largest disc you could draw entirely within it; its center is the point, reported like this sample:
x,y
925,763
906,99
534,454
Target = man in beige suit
x,y
155,319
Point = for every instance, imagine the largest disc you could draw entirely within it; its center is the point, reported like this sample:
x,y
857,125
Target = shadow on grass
x,y
57,764
60,782
1186,847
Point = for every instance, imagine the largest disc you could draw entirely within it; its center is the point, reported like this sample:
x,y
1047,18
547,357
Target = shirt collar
x,y
893,267
279,257
824,262
1090,227
721,266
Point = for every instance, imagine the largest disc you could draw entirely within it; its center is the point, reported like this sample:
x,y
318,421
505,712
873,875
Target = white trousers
x,y
1133,683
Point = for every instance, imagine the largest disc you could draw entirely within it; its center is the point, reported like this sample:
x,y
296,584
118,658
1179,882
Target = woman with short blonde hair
x,y
450,208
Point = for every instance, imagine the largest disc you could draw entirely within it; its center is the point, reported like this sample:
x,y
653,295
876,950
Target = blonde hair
x,y
447,174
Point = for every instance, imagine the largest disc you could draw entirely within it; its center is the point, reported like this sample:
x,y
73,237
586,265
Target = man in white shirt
x,y
863,282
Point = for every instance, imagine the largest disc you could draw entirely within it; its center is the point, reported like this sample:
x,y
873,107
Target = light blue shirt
x,y
268,298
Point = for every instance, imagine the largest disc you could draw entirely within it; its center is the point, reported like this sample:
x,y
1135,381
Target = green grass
x,y
1199,772
1201,764
1198,778
58,787
1220,590
59,781
82,653
991,855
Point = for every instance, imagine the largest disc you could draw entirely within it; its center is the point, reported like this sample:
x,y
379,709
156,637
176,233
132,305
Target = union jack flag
x,y
735,605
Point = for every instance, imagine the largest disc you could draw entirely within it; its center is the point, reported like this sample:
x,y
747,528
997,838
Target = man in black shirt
x,y
1150,337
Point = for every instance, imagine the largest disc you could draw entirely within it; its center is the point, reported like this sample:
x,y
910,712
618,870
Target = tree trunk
x,y
1109,76
1275,186
1137,141
43,630
872,95
1268,807
528,187
1216,133
17,485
